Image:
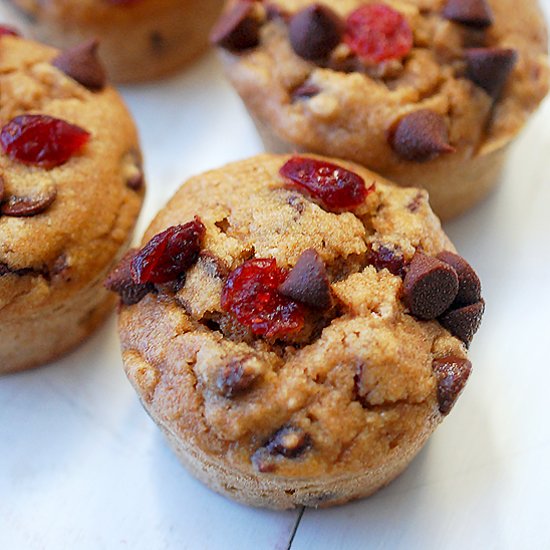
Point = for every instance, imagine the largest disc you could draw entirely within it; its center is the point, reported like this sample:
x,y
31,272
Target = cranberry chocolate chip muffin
x,y
298,327
426,92
140,39
71,188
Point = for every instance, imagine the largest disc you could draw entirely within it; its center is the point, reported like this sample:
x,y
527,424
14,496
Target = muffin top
x,y
388,83
71,184
288,314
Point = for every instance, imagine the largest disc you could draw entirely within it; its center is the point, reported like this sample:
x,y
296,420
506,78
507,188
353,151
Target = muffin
x,y
140,39
297,327
428,93
71,188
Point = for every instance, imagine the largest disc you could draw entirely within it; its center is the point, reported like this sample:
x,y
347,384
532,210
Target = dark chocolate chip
x,y
305,91
464,321
308,282
28,206
82,64
289,442
236,377
136,182
474,13
430,286
489,68
420,136
451,373
237,29
120,281
158,42
469,285
315,31
2,189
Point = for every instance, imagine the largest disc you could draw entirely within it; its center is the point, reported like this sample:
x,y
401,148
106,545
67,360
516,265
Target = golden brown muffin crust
x,y
361,389
56,256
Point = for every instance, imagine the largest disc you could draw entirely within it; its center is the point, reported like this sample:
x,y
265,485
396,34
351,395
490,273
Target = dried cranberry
x,y
335,187
6,30
250,294
42,140
376,33
169,254
387,258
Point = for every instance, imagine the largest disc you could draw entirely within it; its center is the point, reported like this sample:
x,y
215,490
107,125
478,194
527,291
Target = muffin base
x,y
454,184
278,493
32,342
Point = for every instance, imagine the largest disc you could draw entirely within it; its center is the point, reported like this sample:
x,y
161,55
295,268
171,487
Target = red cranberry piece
x,y
376,33
42,140
168,255
250,294
335,187
7,30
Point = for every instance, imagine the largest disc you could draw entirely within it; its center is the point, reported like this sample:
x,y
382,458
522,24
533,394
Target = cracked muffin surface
x,y
481,79
315,415
64,221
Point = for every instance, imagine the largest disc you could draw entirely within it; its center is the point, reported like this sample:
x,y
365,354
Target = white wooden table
x,y
83,467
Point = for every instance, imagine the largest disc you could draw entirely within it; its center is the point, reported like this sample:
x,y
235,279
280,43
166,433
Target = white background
x,y
83,467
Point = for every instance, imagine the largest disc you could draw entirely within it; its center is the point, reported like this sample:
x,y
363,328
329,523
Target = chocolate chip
x,y
451,373
237,376
135,182
489,68
429,287
237,29
464,322
120,281
474,13
82,64
2,188
28,206
315,31
158,42
420,136
388,257
289,442
305,91
469,285
308,282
